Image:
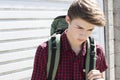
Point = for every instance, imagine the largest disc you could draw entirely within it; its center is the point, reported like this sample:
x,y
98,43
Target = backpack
x,y
57,27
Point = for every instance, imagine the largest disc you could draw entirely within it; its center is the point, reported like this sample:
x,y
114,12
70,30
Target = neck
x,y
76,50
76,47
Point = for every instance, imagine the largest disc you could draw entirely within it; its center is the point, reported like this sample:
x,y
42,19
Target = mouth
x,y
81,40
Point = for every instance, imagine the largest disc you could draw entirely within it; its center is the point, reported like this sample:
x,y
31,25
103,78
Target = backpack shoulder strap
x,y
53,56
92,54
90,62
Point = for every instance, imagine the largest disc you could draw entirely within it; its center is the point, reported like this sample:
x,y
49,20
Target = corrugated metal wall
x,y
23,26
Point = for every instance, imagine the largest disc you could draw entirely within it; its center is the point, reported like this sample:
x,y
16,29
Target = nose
x,y
82,35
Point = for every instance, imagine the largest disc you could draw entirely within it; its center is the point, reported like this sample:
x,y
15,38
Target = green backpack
x,y
58,26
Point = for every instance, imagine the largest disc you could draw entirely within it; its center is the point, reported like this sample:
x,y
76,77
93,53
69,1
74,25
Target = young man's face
x,y
79,30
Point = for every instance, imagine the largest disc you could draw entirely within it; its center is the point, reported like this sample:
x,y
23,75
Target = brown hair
x,y
87,10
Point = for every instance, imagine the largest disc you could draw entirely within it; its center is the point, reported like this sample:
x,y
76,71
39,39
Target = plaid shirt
x,y
70,66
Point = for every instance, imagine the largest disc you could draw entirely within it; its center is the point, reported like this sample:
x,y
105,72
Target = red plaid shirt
x,y
70,66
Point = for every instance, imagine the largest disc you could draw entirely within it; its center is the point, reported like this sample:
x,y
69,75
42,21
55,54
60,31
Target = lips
x,y
81,40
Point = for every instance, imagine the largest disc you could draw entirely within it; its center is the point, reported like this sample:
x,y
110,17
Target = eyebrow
x,y
83,28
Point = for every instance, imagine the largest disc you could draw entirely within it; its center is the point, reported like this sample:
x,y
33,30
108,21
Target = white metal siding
x,y
23,26
22,29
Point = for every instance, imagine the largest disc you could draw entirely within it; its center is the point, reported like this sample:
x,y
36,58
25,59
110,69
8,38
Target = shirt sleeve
x,y
39,69
101,63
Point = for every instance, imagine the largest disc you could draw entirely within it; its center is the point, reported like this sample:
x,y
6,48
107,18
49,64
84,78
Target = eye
x,y
79,27
90,30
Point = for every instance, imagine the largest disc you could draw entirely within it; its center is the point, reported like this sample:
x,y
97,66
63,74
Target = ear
x,y
67,19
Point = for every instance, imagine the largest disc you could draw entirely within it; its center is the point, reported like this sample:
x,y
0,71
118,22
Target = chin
x,y
81,40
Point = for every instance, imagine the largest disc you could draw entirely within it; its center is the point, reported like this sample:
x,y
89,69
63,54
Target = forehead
x,y
82,23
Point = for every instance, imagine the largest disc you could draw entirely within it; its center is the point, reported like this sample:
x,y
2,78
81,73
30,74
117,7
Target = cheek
x,y
89,33
74,33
